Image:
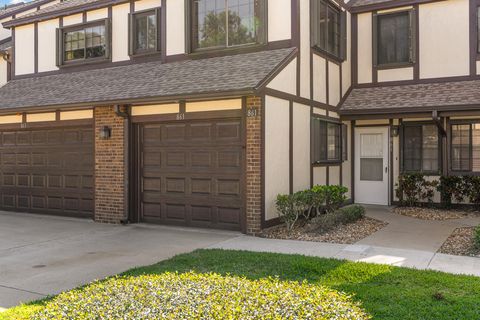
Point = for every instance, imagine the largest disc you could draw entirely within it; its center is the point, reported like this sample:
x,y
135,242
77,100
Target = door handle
x,y
386,169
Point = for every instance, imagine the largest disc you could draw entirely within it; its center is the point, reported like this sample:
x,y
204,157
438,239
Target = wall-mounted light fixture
x,y
395,131
105,133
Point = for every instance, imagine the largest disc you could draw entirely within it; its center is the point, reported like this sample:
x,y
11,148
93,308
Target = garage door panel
x,y
48,171
191,173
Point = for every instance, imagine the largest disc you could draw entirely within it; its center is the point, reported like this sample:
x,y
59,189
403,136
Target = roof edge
x,y
387,5
409,110
284,63
62,12
26,7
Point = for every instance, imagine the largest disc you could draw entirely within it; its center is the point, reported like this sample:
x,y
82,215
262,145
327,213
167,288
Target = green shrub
x,y
291,207
326,222
200,296
451,187
333,197
471,189
476,238
414,188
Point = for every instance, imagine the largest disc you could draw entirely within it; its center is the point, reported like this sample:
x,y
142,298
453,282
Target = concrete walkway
x,y
406,242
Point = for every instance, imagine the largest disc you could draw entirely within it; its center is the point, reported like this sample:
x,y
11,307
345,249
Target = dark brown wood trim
x,y
132,5
416,65
352,160
300,100
243,222
354,49
163,30
295,10
264,223
311,148
407,110
290,146
374,49
35,47
84,16
12,64
391,161
327,174
374,116
24,125
419,81
473,27
388,5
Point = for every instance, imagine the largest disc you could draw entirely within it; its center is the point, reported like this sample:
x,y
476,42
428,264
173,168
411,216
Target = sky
x,y
6,2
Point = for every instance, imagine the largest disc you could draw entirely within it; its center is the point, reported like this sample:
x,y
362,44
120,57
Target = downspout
x,y
126,156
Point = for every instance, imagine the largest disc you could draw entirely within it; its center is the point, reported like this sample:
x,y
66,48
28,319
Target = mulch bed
x,y
434,213
460,243
344,234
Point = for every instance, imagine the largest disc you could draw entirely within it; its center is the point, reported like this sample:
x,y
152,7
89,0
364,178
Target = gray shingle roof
x,y
361,3
413,98
152,80
20,7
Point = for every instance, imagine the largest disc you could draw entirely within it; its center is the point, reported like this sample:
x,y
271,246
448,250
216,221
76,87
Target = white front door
x,y
371,165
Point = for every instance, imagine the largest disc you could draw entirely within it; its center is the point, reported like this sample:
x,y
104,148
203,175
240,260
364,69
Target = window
x,y
394,38
328,142
83,43
226,23
465,148
328,28
478,30
421,147
144,32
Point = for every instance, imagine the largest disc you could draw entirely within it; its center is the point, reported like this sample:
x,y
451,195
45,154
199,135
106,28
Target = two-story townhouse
x,y
415,97
194,112
199,112
8,13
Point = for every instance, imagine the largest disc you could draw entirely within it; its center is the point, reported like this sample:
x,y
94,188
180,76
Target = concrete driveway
x,y
43,255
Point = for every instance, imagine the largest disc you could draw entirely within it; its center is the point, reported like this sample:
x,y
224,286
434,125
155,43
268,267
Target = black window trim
x,y
413,43
261,43
343,32
131,32
452,123
402,153
60,34
477,30
343,156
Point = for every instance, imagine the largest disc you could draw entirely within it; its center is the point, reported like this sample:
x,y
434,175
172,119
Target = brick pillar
x,y
254,167
109,167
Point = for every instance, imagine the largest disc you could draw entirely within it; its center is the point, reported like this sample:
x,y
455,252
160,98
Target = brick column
x,y
109,167
254,167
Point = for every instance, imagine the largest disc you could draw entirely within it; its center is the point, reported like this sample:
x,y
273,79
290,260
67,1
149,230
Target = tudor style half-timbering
x,y
200,112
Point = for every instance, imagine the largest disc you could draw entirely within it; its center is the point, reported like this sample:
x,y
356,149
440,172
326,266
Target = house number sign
x,y
252,112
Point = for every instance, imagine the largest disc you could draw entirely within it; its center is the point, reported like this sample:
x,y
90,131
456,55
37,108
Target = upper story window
x,y
226,23
82,43
420,148
465,147
328,24
329,141
394,38
144,31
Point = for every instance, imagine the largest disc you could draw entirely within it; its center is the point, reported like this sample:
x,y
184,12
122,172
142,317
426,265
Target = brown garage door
x,y
47,171
191,173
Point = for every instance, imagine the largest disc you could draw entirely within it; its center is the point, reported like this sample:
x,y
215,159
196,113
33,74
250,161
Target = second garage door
x,y
191,173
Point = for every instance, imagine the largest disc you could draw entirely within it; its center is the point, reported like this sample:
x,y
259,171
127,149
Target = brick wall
x,y
254,167
109,167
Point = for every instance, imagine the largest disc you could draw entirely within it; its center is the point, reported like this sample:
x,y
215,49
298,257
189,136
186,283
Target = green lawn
x,y
385,292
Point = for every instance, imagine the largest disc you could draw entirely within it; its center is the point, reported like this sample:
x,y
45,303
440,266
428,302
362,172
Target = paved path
x,y
42,255
406,242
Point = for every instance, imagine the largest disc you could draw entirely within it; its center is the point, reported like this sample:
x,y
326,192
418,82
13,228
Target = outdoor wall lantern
x,y
395,131
105,133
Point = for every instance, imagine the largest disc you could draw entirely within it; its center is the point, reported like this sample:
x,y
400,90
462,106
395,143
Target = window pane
x,y
478,29
242,22
371,169
393,38
74,45
412,148
333,141
476,147
333,32
430,148
371,157
145,32
326,28
209,23
461,147
95,42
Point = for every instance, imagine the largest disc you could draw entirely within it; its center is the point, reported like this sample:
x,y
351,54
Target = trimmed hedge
x,y
476,238
345,215
200,296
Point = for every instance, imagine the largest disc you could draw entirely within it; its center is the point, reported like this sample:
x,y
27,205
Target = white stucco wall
x,y
97,14
319,79
73,19
365,47
176,27
279,20
4,33
3,71
301,147
334,175
286,80
277,155
334,86
47,45
147,4
395,74
120,26
24,49
347,165
319,176
444,39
